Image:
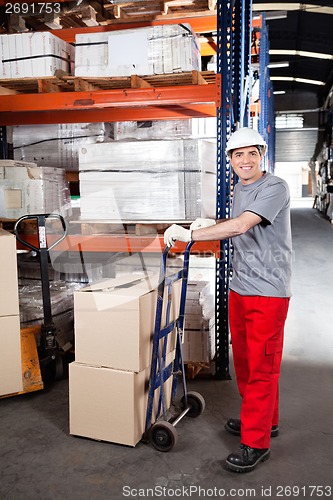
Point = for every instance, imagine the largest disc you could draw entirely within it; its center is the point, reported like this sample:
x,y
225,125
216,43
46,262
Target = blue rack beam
x,y
233,67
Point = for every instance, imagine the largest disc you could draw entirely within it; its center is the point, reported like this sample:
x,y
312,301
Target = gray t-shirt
x,y
262,256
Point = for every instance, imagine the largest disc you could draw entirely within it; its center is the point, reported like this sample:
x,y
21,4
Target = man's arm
x,y
229,228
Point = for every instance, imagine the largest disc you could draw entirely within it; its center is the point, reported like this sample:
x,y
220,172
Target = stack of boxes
x,y
148,180
108,382
144,51
34,54
199,338
27,189
10,338
199,328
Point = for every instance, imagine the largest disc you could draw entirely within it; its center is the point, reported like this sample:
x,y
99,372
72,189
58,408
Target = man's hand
x,y
174,233
199,223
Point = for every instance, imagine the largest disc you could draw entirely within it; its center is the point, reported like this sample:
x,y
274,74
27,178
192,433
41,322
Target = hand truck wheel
x,y
196,402
163,436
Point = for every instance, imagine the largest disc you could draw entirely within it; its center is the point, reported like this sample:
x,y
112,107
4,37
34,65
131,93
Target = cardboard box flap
x,y
114,293
126,281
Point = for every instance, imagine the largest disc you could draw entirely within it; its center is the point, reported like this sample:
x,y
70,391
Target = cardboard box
x,y
9,301
199,344
110,405
11,363
114,322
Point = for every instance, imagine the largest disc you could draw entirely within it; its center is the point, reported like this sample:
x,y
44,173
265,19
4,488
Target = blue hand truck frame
x,y
162,434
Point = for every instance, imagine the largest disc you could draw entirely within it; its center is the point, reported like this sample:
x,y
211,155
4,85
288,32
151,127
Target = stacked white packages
x,y
34,54
163,129
141,51
146,181
27,189
55,145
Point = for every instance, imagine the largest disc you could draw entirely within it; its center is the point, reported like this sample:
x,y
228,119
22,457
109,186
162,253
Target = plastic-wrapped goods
x,y
145,180
27,189
62,307
55,145
34,54
144,51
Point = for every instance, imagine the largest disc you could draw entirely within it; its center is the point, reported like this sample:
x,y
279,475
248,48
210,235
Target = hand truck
x,y
47,350
163,434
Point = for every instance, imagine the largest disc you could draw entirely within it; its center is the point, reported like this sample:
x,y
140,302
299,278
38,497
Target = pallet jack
x,y
41,364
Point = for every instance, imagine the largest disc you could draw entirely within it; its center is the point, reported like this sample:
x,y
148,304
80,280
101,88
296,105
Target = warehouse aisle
x,y
39,460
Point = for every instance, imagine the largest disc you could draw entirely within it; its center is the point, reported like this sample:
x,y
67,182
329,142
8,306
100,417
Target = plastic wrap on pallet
x,y
162,129
55,145
28,189
145,180
144,51
34,54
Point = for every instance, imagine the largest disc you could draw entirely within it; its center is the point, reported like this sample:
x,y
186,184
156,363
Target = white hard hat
x,y
244,137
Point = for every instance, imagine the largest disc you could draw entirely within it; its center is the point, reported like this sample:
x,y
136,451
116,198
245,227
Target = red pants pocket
x,y
273,349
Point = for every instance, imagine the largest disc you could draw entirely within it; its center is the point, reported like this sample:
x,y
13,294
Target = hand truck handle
x,y
41,218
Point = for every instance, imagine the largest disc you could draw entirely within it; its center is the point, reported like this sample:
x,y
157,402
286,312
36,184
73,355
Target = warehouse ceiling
x,y
300,34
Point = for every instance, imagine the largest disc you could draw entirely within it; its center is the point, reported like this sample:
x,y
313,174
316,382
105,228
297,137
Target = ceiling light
x,y
279,92
292,6
282,64
301,53
299,80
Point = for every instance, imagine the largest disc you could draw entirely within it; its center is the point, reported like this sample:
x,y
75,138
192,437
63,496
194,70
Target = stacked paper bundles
x,y
55,145
27,189
34,54
144,51
199,343
145,180
163,129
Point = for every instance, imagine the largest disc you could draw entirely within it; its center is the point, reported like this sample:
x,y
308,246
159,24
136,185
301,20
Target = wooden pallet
x,y
76,84
194,369
154,9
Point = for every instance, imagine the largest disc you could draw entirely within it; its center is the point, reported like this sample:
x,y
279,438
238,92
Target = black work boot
x,y
234,427
247,458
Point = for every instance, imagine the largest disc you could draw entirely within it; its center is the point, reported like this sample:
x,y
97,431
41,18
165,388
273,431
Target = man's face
x,y
246,164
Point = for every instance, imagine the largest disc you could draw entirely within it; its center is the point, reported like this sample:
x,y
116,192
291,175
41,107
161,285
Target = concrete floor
x,y
40,460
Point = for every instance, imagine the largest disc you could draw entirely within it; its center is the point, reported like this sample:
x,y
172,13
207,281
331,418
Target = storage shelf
x,y
120,243
154,98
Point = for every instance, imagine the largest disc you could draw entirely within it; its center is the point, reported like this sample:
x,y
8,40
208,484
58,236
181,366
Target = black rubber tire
x,y
163,436
197,403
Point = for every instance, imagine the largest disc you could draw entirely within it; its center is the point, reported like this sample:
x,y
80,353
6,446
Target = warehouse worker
x,y
259,291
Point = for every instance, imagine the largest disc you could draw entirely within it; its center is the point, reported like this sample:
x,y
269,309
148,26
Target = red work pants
x,y
257,330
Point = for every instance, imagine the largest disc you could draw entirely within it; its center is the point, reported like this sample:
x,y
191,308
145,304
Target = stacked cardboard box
x,y
34,54
144,51
199,337
10,339
28,189
147,180
199,334
114,323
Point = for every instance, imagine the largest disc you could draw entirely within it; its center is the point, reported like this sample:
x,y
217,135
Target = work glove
x,y
174,233
199,223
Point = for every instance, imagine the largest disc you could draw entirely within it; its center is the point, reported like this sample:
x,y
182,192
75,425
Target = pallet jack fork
x,y
47,351
163,434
